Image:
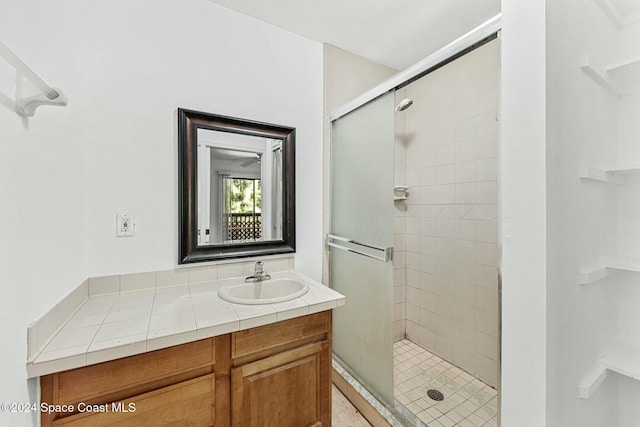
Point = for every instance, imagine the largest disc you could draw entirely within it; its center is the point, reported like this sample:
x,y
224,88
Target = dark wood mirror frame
x,y
189,122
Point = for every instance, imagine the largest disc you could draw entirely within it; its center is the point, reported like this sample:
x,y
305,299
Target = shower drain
x,y
435,395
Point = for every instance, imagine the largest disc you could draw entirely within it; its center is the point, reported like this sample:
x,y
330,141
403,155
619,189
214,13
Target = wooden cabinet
x,y
273,375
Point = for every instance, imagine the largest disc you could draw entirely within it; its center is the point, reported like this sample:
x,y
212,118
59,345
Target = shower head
x,y
404,104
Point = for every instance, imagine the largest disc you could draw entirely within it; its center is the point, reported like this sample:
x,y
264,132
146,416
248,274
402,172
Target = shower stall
x,y
413,238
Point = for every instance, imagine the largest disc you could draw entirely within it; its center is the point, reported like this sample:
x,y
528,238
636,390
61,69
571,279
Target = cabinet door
x,y
290,389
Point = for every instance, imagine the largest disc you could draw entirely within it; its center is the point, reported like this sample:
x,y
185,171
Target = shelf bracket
x,y
25,106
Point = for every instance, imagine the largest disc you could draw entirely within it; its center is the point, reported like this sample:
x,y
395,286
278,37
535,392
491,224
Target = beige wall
x,y
446,232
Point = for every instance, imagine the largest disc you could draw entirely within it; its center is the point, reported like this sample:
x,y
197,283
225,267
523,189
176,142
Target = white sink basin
x,y
265,292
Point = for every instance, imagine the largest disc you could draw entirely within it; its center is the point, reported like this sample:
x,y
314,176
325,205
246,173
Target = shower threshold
x,y
368,404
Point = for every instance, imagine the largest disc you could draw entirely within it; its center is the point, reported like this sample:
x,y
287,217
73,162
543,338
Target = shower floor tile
x,y
468,402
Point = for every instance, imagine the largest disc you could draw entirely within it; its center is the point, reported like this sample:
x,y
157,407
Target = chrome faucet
x,y
259,274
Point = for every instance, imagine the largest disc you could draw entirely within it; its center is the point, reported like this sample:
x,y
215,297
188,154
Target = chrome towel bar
x,y
371,251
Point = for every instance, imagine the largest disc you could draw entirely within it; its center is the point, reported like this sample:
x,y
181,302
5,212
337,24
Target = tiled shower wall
x,y
399,227
446,232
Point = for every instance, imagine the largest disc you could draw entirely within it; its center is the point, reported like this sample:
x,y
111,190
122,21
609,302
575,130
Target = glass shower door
x,y
361,241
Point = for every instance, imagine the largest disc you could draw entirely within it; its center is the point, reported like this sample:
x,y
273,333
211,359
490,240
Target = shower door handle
x,y
364,249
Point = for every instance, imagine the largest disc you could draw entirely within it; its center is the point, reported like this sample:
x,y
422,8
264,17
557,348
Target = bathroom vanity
x,y
272,369
273,375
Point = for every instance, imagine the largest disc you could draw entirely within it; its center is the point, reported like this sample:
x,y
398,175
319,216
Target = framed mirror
x,y
237,187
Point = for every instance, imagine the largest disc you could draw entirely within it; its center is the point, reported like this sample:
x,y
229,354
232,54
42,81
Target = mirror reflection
x,y
239,188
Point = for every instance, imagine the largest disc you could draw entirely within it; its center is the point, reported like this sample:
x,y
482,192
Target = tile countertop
x,y
111,326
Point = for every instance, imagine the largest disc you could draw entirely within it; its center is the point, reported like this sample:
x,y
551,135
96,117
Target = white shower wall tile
x,y
450,230
487,231
487,276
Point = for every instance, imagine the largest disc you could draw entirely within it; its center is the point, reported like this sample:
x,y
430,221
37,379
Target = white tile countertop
x,y
111,326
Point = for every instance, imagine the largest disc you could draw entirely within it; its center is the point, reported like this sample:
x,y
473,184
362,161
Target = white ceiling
x,y
396,33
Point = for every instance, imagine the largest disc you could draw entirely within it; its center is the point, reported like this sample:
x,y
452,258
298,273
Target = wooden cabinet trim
x,y
223,381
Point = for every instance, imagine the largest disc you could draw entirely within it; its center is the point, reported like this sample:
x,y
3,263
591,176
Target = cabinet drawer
x,y
262,341
186,404
85,384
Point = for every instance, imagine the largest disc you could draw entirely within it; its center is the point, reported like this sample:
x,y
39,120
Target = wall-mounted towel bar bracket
x,y
25,105
371,251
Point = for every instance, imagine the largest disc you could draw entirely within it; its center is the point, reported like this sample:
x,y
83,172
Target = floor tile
x,y
343,413
467,400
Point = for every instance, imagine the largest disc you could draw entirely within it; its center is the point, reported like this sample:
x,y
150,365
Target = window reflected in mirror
x,y
239,188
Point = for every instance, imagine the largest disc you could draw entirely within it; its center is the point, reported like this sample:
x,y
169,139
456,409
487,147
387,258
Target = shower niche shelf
x,y
622,77
622,360
611,176
614,265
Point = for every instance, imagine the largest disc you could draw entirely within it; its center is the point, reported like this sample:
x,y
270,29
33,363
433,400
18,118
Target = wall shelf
x,y
617,71
619,18
614,265
622,78
611,176
621,360
626,74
